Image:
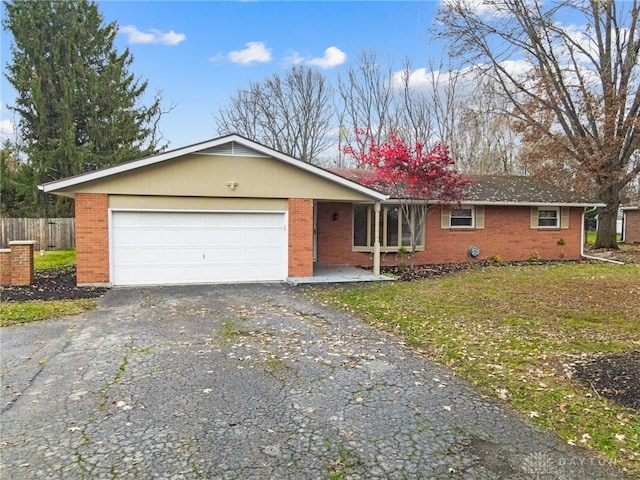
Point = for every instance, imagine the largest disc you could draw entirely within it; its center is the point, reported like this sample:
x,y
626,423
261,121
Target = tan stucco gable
x,y
203,175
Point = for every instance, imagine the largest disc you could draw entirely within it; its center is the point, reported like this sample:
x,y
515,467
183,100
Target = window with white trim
x,y
462,217
395,228
548,217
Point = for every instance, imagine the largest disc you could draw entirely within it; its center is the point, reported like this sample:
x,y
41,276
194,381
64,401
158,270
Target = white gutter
x,y
591,257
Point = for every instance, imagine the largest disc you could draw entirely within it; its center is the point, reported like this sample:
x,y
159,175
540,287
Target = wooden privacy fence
x,y
48,233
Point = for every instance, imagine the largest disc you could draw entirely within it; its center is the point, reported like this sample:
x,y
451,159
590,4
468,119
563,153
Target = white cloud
x,y
256,52
293,58
6,128
218,57
479,7
333,57
154,36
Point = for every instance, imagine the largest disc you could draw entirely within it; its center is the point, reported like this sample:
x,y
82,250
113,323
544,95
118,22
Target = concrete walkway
x,y
338,274
250,382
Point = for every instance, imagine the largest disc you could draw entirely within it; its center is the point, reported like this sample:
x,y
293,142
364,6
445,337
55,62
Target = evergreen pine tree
x,y
79,106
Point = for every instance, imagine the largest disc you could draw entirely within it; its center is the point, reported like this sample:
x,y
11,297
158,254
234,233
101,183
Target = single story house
x,y
233,210
630,224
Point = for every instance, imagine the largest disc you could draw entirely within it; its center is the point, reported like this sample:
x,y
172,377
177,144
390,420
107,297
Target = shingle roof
x,y
494,189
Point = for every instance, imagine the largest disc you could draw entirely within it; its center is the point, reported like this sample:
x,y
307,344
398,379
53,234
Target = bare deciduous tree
x,y
587,76
482,137
433,104
366,98
416,101
292,114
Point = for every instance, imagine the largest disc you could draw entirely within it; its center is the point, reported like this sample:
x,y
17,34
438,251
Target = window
x,y
462,217
549,217
395,228
362,225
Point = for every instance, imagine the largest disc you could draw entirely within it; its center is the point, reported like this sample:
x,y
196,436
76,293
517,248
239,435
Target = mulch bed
x,y
421,272
615,376
51,284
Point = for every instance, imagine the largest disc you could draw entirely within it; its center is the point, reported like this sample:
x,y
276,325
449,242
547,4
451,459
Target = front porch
x,y
337,274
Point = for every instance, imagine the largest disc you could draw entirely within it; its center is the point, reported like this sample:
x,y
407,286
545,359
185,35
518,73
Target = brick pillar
x,y
301,237
92,238
5,266
22,262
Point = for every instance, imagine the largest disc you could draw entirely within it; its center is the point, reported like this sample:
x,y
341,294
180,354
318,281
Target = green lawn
x,y
13,313
590,237
53,259
513,330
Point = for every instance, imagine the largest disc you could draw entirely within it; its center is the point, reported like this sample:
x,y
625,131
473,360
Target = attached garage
x,y
222,211
162,248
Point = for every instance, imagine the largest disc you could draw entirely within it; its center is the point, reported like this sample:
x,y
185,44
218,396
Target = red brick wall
x,y
300,237
22,263
632,226
5,266
507,234
16,263
334,236
92,238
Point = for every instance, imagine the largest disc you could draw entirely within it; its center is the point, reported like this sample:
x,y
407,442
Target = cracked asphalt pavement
x,y
250,382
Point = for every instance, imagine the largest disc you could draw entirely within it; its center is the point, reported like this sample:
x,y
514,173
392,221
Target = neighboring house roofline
x,y
52,187
629,207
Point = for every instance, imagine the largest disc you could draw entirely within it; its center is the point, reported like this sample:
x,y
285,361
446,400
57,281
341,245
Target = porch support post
x,y
376,238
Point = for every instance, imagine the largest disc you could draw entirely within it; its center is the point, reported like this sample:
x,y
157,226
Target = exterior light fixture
x,y
232,184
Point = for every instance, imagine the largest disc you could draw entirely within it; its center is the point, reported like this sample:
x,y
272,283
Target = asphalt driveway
x,y
249,382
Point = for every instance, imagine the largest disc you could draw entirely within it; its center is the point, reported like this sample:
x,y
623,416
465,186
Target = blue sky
x,y
199,53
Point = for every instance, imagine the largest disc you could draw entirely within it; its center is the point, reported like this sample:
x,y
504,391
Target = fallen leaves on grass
x,y
515,331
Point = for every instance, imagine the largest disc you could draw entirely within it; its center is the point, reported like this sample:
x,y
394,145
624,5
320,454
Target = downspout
x,y
590,257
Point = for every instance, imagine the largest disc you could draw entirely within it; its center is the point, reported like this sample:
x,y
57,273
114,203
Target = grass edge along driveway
x,y
514,332
14,313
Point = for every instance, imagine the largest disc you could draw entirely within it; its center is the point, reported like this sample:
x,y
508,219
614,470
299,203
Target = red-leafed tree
x,y
414,174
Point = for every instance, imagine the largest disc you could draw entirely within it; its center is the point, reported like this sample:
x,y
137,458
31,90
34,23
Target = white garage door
x,y
154,248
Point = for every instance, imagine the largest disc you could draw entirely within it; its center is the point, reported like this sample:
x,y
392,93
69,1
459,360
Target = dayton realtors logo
x,y
542,465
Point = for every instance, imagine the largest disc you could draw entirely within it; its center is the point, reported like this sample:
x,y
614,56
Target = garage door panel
x,y
271,237
255,254
145,255
134,276
171,237
180,247
215,254
187,254
126,237
232,237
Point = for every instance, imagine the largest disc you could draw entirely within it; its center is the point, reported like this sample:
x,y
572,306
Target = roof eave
x,y
533,204
468,201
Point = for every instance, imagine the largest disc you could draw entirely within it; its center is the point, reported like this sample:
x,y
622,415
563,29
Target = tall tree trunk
x,y
607,218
